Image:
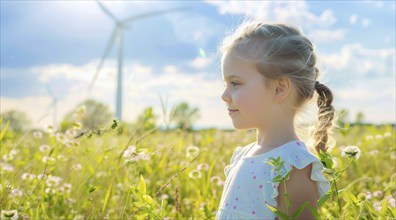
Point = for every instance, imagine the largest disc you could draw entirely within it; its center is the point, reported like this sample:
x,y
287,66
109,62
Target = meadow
x,y
159,174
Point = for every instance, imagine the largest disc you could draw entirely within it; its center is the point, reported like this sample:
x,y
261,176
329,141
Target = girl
x,y
270,72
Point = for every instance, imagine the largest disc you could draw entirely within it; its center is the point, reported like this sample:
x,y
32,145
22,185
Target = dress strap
x,y
252,145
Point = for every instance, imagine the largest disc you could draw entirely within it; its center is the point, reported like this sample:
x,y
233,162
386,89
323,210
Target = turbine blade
x,y
149,14
50,91
106,11
108,48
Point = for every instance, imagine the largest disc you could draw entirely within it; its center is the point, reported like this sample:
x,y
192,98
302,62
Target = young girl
x,y
270,72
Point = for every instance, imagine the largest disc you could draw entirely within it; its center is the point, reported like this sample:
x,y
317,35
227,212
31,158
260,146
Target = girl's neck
x,y
275,136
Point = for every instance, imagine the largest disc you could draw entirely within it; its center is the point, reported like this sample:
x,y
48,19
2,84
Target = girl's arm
x,y
300,188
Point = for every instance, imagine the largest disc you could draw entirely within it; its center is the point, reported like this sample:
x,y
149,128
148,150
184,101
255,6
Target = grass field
x,y
170,175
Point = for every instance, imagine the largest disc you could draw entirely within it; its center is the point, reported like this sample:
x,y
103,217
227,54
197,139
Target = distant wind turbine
x,y
53,105
117,35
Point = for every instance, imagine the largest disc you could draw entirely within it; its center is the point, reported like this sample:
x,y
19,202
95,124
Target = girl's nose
x,y
225,96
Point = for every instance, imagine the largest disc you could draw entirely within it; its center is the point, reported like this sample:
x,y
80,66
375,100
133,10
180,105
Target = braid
x,y
325,114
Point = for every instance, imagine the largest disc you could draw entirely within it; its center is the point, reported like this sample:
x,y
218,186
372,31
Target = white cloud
x,y
360,61
201,62
353,19
366,22
294,12
326,35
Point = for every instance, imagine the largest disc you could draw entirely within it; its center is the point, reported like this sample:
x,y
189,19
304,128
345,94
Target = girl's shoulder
x,y
239,152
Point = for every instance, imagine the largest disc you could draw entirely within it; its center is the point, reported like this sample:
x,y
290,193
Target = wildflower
x,y
164,197
38,134
369,137
217,180
7,167
387,134
28,176
43,148
192,151
392,155
391,201
8,157
351,152
369,196
377,206
47,159
203,166
9,214
41,176
374,152
49,128
378,136
77,166
15,193
378,194
195,174
53,181
129,151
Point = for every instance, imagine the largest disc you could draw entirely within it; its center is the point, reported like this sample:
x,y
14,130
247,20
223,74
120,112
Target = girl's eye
x,y
235,84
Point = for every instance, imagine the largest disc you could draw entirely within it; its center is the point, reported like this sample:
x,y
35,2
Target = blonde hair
x,y
280,50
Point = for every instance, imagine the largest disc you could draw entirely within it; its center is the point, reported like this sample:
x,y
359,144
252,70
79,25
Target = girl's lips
x,y
230,111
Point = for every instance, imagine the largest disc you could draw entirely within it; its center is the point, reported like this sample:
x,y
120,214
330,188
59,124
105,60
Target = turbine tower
x,y
117,36
53,105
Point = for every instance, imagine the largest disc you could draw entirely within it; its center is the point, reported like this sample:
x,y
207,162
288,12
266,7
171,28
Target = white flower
x,y
378,136
378,194
53,181
203,166
15,193
374,152
369,195
387,134
47,159
7,167
369,137
217,180
392,202
195,174
8,157
129,151
38,134
77,166
9,214
351,152
377,205
44,148
28,176
192,151
49,128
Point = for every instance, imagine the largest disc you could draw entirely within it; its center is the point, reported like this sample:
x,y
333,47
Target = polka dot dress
x,y
248,187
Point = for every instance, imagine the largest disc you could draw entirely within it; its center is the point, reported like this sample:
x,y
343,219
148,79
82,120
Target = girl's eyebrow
x,y
232,76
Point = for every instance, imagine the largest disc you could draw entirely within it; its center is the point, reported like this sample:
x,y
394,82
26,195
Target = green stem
x,y
335,184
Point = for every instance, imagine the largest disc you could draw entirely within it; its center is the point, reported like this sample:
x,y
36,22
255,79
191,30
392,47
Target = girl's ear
x,y
282,88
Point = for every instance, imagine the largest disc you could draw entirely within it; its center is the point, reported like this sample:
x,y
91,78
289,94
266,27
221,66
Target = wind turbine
x,y
117,35
53,105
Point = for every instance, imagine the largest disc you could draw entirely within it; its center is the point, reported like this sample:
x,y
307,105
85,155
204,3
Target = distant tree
x,y
147,120
185,116
19,121
359,118
96,115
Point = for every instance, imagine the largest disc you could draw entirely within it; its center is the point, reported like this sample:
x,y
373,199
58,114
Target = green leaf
x,y
278,212
314,211
4,129
299,210
108,192
147,199
92,189
142,185
114,125
324,198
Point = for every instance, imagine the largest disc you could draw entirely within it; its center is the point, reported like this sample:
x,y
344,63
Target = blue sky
x,y
59,44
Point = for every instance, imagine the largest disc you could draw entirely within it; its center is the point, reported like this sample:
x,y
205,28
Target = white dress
x,y
249,187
